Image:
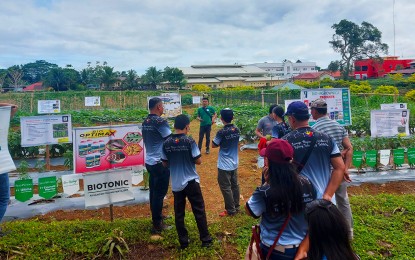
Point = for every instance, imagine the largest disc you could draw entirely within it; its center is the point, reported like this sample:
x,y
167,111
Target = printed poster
x,y
338,103
6,161
92,101
70,183
41,130
196,99
48,106
103,148
388,123
107,188
172,104
393,106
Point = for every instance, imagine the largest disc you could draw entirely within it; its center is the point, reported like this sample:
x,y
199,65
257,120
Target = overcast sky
x,y
137,34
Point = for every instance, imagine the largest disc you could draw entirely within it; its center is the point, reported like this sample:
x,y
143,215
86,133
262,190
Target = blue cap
x,y
298,109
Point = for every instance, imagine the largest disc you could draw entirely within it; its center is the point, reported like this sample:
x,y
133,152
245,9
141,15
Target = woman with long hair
x,y
281,199
328,232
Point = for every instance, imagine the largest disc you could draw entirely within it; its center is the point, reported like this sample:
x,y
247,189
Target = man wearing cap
x,y
340,136
324,166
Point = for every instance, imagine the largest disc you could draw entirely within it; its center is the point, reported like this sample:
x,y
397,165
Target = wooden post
x,y
112,212
47,157
31,103
262,98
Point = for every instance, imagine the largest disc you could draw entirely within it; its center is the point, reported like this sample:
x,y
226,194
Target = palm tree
x,y
153,77
108,77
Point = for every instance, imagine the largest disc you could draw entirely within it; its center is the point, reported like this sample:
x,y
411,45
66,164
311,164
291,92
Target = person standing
x,y
324,166
265,124
181,154
339,134
227,140
4,173
207,116
155,130
281,128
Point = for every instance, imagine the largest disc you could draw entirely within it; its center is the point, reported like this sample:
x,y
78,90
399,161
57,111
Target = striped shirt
x,y
331,128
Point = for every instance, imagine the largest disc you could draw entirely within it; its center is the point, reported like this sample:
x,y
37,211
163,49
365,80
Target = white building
x,y
287,69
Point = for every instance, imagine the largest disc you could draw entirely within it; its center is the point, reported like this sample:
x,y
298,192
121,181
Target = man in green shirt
x,y
207,116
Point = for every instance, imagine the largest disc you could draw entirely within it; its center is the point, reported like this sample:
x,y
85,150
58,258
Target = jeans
x,y
277,255
343,204
229,186
195,197
159,184
204,130
4,193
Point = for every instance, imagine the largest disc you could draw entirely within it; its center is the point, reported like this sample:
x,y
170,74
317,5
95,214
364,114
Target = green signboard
x,y
23,190
398,156
371,158
47,187
411,156
357,159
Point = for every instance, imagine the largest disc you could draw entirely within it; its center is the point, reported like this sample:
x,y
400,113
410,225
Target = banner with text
x,y
107,188
6,161
92,101
389,123
107,147
41,130
393,106
48,106
337,99
172,104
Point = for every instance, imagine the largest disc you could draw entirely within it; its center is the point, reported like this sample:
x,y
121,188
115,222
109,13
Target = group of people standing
x,y
305,173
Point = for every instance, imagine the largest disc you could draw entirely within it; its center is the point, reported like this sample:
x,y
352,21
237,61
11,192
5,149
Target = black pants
x,y
159,184
202,131
194,195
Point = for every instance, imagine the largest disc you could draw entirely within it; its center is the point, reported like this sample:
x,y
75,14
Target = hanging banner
x,y
389,123
137,174
107,188
48,106
338,103
41,130
357,159
23,190
411,156
6,161
70,184
384,157
393,106
398,157
92,101
107,147
47,187
371,158
172,104
196,99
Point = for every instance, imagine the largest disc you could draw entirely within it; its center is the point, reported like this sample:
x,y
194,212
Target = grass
x,y
384,229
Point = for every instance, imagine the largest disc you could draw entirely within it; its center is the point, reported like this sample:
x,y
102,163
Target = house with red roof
x,y
38,86
314,76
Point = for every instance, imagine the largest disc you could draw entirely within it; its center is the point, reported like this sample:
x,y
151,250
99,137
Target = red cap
x,y
278,151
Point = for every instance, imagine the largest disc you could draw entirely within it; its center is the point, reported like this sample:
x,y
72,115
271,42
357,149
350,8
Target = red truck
x,y
376,68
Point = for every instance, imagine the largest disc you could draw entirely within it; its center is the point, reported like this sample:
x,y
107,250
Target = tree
x,y
152,77
36,71
355,42
108,77
56,79
334,66
175,77
130,81
15,74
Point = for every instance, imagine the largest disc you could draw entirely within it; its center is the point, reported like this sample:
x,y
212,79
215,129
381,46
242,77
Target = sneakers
x,y
207,244
159,228
225,214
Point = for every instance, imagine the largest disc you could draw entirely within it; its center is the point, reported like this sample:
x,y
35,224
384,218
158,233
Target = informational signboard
x,y
92,101
48,187
393,106
107,188
41,130
357,159
6,161
23,190
371,158
389,123
287,102
337,99
70,184
384,156
48,106
196,99
172,104
103,148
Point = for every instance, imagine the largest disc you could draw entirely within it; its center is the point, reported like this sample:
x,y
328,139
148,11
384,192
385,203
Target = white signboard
x,y
388,123
92,101
48,106
41,130
393,106
384,157
172,104
337,99
137,174
6,162
70,184
287,102
196,99
107,188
